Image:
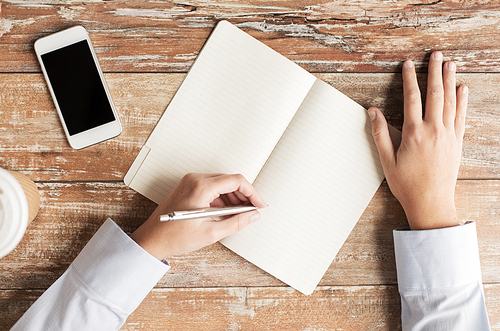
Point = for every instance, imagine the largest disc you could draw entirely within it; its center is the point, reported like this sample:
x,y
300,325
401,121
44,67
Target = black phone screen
x,y
78,88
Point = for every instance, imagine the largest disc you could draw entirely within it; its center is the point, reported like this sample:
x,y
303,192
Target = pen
x,y
208,212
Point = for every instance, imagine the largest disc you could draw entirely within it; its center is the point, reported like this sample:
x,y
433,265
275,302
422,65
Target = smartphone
x,y
76,83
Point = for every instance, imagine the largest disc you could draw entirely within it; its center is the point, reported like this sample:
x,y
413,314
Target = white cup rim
x,y
11,194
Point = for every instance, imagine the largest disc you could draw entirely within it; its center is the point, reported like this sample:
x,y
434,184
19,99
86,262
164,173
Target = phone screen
x,y
78,87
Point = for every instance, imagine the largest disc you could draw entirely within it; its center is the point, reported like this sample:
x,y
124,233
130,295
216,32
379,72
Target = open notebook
x,y
307,148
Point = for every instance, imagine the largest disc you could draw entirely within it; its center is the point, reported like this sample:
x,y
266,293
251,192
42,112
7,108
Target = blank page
x,y
318,181
227,116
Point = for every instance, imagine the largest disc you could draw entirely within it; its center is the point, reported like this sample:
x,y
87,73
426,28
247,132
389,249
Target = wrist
x,y
432,217
149,237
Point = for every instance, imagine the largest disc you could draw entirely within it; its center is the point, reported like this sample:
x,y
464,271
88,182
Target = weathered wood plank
x,y
214,288
259,308
319,35
328,308
72,212
32,131
13,304
32,139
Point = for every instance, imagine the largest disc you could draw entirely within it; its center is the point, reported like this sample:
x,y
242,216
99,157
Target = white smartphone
x,y
77,86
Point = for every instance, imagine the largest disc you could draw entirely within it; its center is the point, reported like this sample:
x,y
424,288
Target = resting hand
x,y
194,191
422,172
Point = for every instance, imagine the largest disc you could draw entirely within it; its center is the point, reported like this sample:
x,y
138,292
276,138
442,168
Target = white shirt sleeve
x,y
439,279
104,284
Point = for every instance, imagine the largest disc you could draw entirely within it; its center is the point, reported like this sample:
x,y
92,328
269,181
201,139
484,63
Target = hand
x,y
194,191
422,172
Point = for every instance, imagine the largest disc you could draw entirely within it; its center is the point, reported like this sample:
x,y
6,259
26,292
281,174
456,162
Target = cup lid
x,y
13,212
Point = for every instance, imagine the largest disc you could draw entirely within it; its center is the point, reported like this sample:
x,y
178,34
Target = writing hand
x,y
422,172
194,191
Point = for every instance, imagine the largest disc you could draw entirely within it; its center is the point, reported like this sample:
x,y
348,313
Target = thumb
x,y
235,223
380,133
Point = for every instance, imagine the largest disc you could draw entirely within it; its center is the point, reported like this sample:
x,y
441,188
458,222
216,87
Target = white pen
x,y
208,212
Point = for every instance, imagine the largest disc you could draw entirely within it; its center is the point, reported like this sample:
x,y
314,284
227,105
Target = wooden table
x,y
146,48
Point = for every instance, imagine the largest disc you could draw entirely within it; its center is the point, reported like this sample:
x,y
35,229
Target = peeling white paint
x,y
151,13
226,5
301,31
186,57
25,3
5,26
298,12
69,13
136,58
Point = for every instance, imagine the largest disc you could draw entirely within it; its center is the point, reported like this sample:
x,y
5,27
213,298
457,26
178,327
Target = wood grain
x,y
32,140
320,35
146,47
328,308
72,212
258,308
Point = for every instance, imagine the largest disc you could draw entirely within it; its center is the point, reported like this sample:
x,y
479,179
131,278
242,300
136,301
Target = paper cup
x,y
14,212
31,192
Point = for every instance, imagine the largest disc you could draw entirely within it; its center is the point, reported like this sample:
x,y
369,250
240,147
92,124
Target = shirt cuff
x,y
130,271
431,259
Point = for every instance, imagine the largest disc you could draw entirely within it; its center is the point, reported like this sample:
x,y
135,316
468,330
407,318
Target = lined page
x,y
318,181
228,114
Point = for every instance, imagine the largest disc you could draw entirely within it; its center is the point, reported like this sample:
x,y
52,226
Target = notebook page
x,y
228,114
318,181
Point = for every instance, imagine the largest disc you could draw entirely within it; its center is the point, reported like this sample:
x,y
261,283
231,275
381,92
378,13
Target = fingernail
x,y
409,64
255,217
438,56
452,66
372,114
465,90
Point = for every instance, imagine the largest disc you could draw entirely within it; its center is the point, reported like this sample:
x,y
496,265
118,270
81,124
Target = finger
x,y
450,103
225,200
380,132
199,176
462,98
230,183
217,203
236,198
226,227
210,175
240,197
435,91
411,93
233,199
